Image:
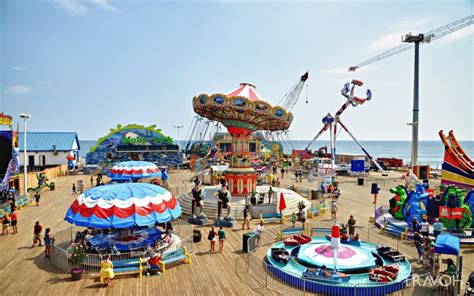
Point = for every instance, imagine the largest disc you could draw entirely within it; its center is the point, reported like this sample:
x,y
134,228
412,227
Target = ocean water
x,y
429,152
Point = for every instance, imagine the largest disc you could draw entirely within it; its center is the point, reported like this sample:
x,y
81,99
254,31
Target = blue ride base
x,y
358,283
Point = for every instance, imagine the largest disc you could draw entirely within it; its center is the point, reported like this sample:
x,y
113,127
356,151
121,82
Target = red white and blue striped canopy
x,y
134,170
123,205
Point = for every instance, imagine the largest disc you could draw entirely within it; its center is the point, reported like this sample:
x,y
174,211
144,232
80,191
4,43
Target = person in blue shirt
x,y
164,177
323,189
437,226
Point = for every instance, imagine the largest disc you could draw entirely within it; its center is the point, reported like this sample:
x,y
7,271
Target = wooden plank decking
x,y
25,271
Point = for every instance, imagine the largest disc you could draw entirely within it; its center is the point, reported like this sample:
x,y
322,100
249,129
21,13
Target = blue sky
x,y
87,65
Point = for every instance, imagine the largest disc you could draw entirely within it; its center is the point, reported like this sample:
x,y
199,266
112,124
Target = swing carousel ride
x,y
243,111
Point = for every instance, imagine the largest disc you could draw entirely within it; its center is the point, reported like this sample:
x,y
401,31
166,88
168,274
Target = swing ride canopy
x,y
242,110
128,170
123,205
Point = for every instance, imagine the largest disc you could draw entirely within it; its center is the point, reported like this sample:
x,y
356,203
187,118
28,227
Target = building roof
x,y
45,141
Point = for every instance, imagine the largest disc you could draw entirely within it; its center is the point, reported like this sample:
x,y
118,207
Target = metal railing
x,y
270,277
91,263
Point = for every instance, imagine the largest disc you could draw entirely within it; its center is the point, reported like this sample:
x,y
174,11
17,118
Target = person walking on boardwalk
x,y
294,218
334,210
164,178
37,229
246,217
258,233
37,198
74,189
221,235
212,239
5,224
351,222
282,170
48,241
14,221
323,189
303,215
107,271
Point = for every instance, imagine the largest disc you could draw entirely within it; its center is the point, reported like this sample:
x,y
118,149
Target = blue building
x,y
46,149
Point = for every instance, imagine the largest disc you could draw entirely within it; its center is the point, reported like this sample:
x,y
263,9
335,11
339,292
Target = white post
x,y
178,127
333,150
25,166
25,117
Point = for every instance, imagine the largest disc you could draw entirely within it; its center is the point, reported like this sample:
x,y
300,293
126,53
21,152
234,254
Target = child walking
x,y
293,219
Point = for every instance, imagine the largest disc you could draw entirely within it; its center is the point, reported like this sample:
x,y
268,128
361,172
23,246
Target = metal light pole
x,y
416,39
178,127
25,117
177,139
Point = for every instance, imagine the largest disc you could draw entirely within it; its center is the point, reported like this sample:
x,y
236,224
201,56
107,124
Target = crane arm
x,y
291,97
425,38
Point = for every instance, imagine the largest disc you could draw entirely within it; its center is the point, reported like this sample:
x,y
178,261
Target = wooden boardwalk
x,y
25,271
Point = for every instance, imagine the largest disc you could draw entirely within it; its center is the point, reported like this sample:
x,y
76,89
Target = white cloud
x,y
104,5
79,7
410,24
387,41
73,6
44,82
460,34
18,89
18,68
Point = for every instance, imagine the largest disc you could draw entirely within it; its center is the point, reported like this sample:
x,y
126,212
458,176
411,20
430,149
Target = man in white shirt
x,y
258,233
425,228
303,215
334,210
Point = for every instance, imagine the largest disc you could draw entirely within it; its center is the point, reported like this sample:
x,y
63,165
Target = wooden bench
x,y
290,231
129,266
320,230
179,255
271,217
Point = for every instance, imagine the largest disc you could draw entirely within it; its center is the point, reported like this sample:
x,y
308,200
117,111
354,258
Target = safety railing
x,y
91,263
270,277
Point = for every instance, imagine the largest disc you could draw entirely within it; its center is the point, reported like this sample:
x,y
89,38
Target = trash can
x,y
360,181
245,246
314,194
253,200
196,236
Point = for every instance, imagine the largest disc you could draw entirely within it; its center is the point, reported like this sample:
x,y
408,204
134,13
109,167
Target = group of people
x,y
48,238
423,243
10,220
214,236
78,187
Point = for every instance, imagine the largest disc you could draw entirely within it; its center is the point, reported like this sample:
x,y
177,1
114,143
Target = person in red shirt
x,y
154,264
37,229
14,220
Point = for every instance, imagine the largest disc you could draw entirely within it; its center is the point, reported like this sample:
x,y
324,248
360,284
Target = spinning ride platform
x,y
354,262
